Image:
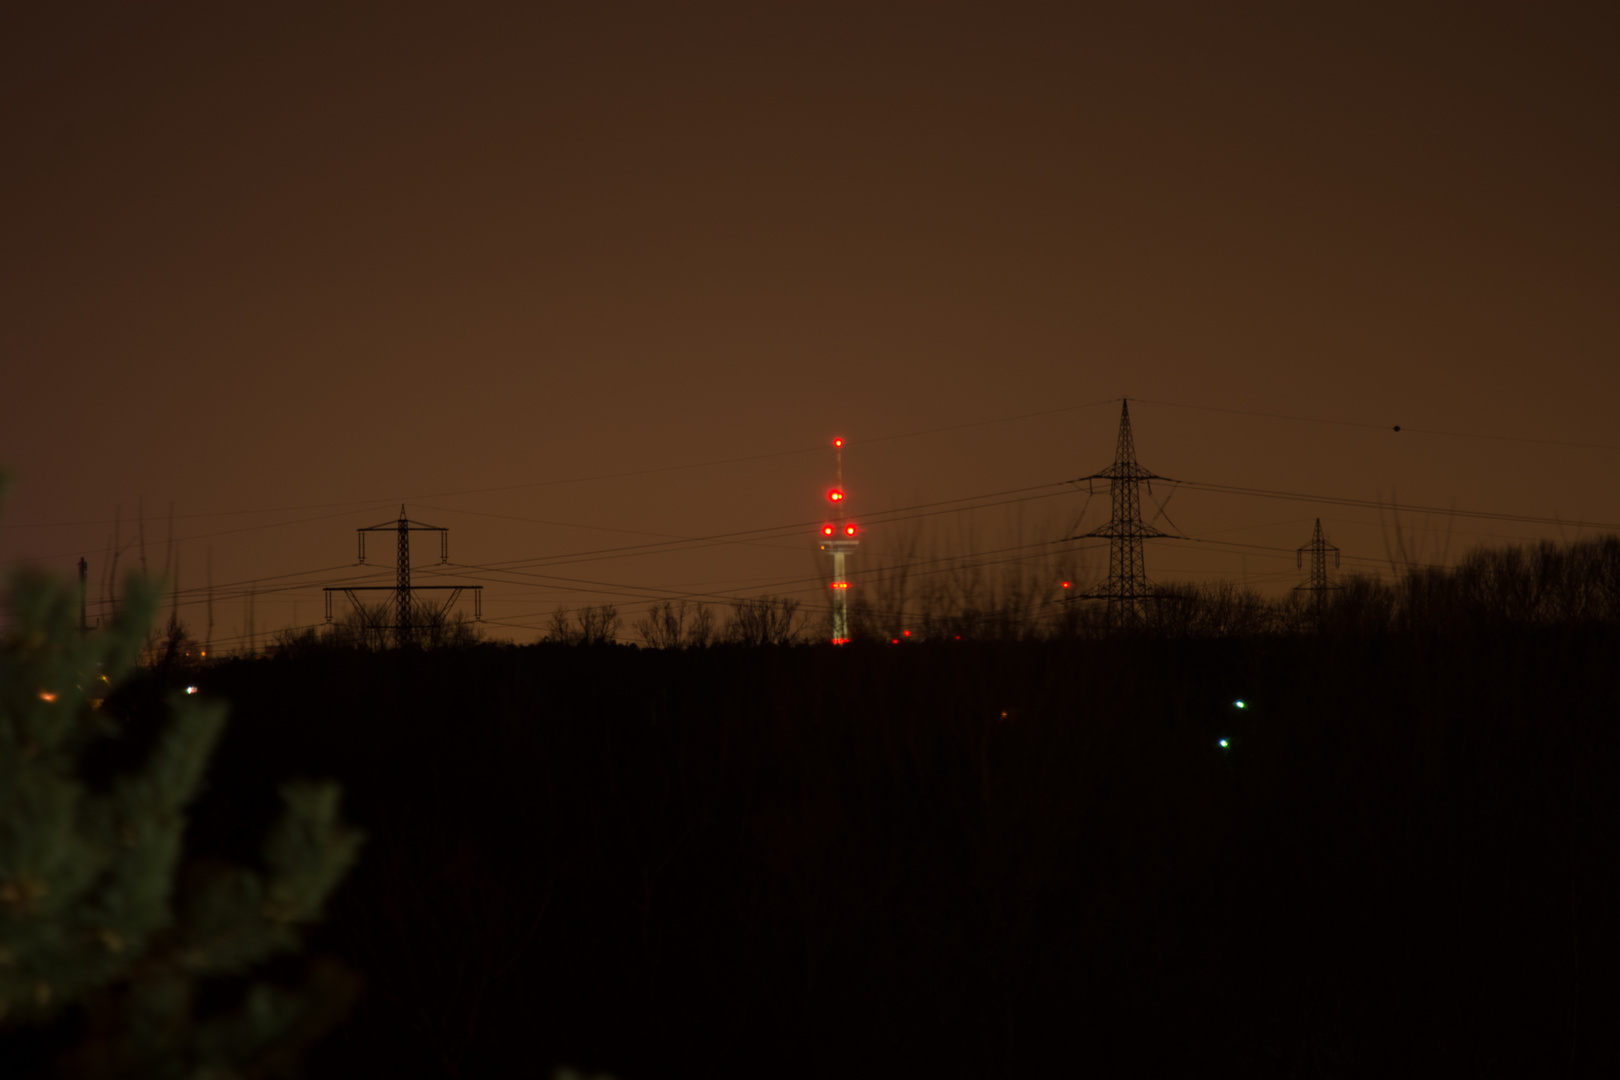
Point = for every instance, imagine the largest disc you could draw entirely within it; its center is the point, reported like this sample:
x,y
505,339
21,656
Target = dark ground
x,y
960,859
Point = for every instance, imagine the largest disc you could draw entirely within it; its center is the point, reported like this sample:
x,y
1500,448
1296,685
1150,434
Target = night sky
x,y
568,278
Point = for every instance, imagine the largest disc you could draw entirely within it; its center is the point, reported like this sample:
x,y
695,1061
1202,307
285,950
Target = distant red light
x,y
835,495
838,442
850,529
905,633
827,530
1065,584
894,641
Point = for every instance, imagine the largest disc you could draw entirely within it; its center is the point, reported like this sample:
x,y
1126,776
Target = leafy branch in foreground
x,y
104,919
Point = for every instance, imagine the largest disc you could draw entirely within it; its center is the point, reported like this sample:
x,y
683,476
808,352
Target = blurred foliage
x,y
109,930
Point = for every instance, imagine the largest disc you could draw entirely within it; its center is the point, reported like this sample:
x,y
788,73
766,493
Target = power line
x,y
758,537
1403,428
889,517
205,536
765,456
353,505
656,594
1269,551
907,513
984,423
590,478
977,502
669,537
948,506
1374,504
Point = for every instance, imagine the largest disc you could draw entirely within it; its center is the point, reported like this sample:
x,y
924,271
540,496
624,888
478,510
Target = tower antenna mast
x,y
838,540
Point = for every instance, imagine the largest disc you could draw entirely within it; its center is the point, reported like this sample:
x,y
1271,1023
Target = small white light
x,y
191,689
1240,704
1225,744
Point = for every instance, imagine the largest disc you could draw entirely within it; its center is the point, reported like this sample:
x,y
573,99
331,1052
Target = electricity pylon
x,y
1127,589
1317,584
404,606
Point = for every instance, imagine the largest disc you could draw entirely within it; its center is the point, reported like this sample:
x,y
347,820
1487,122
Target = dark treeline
x,y
1537,585
977,858
993,857
1540,584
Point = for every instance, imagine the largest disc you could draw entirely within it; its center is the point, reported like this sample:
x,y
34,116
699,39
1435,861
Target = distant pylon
x,y
405,611
1317,584
838,540
1127,589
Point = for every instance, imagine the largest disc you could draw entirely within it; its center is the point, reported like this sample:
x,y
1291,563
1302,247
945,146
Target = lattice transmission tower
x,y
406,609
1127,589
1317,584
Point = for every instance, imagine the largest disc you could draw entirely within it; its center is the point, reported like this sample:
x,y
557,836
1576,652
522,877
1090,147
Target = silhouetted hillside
x,y
960,859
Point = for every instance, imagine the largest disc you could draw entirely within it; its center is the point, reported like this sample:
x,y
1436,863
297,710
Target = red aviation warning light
x,y
838,541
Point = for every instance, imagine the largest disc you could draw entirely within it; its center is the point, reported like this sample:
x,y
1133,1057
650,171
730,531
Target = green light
x,y
1225,743
1240,704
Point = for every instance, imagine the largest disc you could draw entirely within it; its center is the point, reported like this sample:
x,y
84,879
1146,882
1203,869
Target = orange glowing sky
x,y
282,267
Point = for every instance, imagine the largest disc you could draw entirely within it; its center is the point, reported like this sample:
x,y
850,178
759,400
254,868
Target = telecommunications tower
x,y
1317,584
406,609
1127,589
838,538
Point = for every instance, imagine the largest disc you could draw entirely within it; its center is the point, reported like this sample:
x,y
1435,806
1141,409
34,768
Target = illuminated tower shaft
x,y
838,539
840,586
